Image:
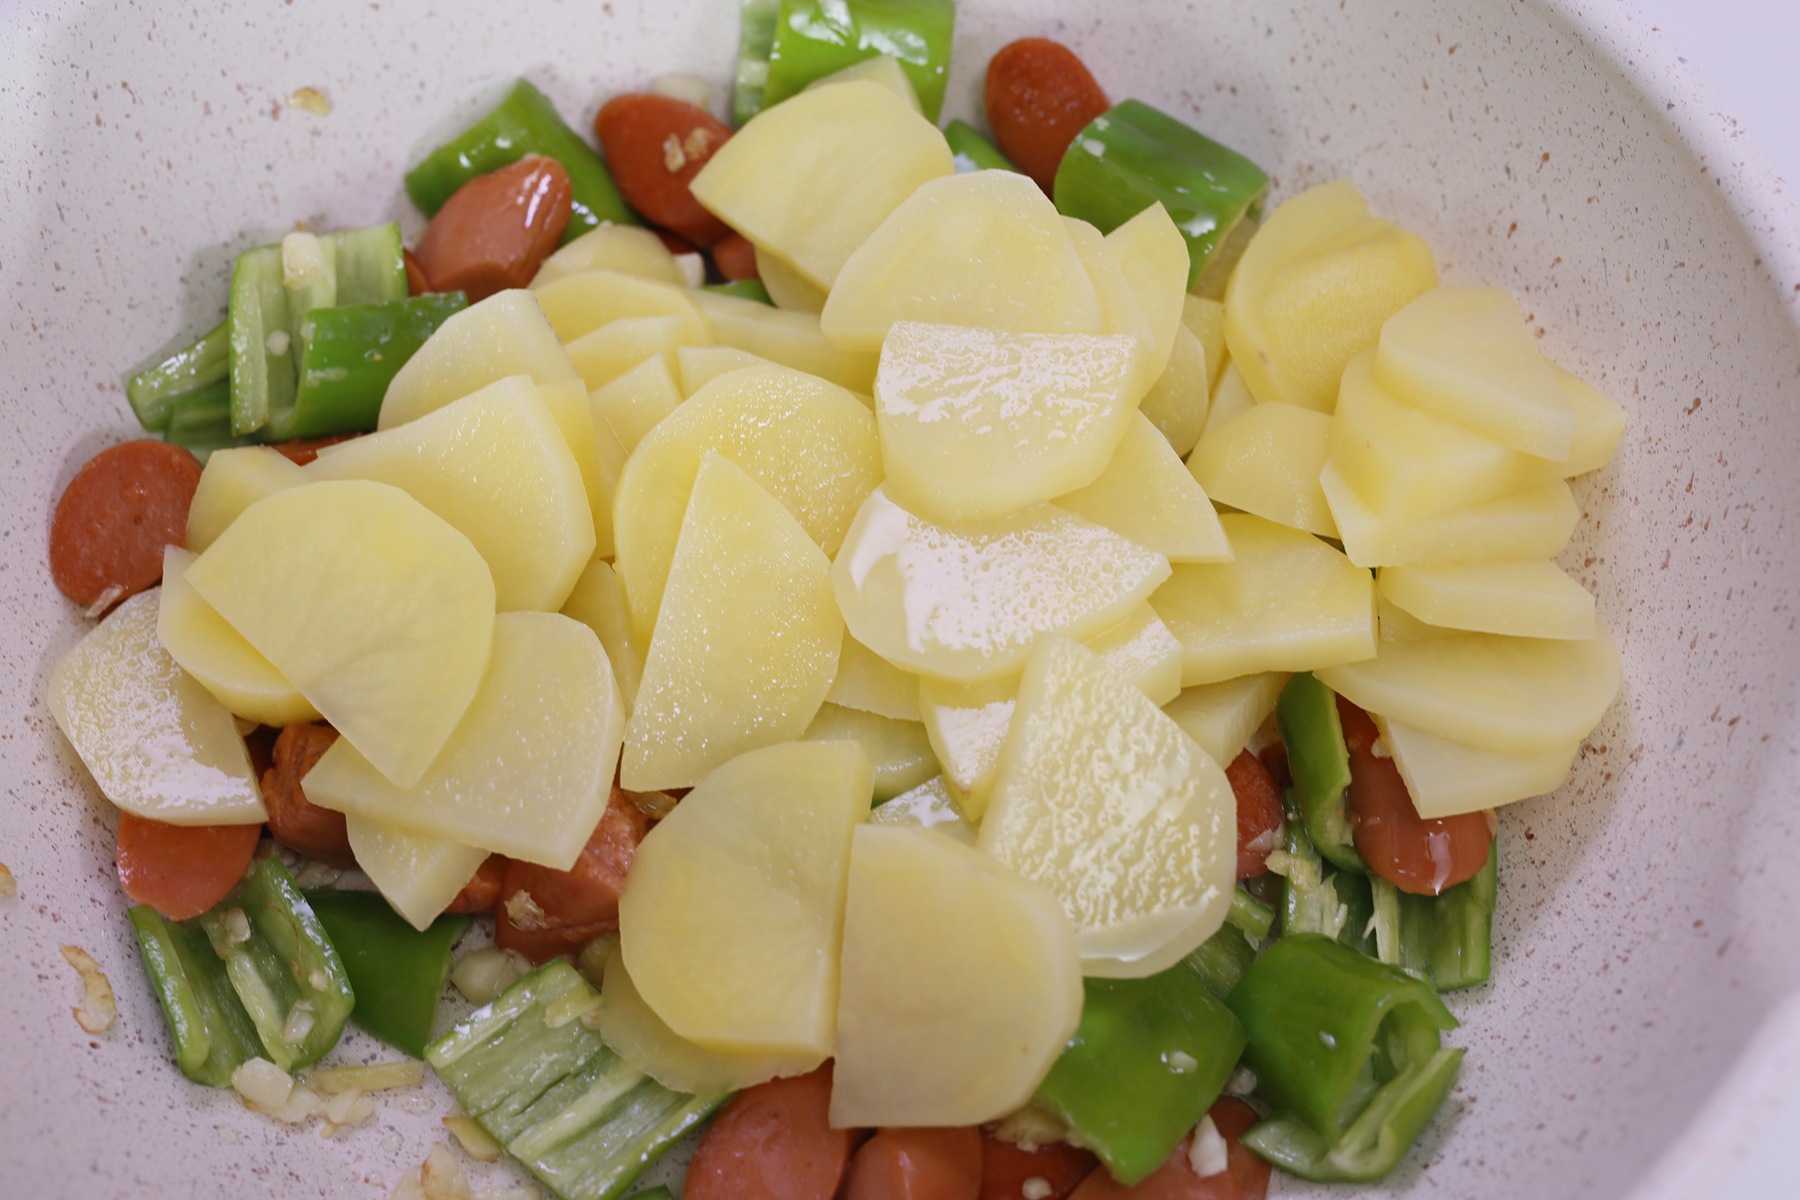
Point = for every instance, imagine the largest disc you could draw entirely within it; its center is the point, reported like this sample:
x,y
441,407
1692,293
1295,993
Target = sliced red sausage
x,y
181,870
112,522
1258,812
654,146
1006,1167
416,283
497,229
1039,95
736,258
294,820
482,893
917,1164
543,913
1245,1176
772,1142
301,451
1415,855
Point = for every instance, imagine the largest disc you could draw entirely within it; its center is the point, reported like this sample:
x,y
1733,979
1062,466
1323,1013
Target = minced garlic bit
x,y
97,1010
299,1022
692,89
655,805
1181,1062
525,912
570,1007
311,100
1036,1188
1208,1154
277,342
271,1091
302,259
8,885
474,1140
237,927
1279,861
482,974
442,1178
674,157
108,597
346,1110
1030,1128
1241,1083
374,1077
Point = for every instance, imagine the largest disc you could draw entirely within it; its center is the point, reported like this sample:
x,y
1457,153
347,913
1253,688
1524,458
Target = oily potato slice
x,y
1267,462
793,339
977,423
1231,399
1144,651
416,873
529,769
627,249
582,302
494,465
504,335
1177,403
1151,254
376,608
968,602
811,178
156,742
931,805
899,750
232,480
986,249
697,366
943,1019
1599,424
787,287
808,442
1527,695
603,354
1147,495
218,657
967,725
1205,319
1287,602
1223,716
1534,523
868,682
1103,799
746,639
633,403
1446,779
1532,598
598,601
732,914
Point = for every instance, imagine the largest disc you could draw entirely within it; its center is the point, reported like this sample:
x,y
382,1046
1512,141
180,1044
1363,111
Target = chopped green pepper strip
x,y
396,971
201,421
348,356
1220,961
974,152
1334,1036
756,35
1378,1139
816,38
1320,763
213,1035
523,123
1318,898
369,264
193,368
747,289
1446,939
282,966
1148,1059
262,371
1133,156
1250,915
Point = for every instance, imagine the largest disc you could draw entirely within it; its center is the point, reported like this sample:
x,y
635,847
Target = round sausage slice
x,y
181,870
112,522
294,820
497,229
772,1142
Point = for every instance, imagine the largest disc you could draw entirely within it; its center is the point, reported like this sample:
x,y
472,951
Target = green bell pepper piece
x,y
349,355
1148,1059
1320,763
756,36
1446,939
523,123
816,38
1335,1037
1220,961
1318,898
213,1035
193,368
1249,915
396,971
974,152
201,420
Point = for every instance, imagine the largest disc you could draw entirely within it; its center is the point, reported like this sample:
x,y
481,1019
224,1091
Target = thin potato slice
x,y
504,335
377,609
793,339
1267,462
598,601
1534,598
218,657
899,750
1147,495
1150,252
1205,319
1142,649
416,873
931,805
746,642
1177,403
1599,424
632,404
697,366
530,766
627,249
868,682
967,725
1446,779
787,287
1223,716
1535,523
233,480
602,355
580,303
1231,399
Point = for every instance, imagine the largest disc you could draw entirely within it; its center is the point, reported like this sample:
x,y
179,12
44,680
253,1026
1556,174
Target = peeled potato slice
x,y
578,304
746,642
1535,523
1524,599
416,873
1105,801
1147,495
1599,424
899,750
868,682
1223,716
967,725
1267,462
633,403
1142,649
928,806
598,601
967,603
217,655
233,480
944,1019
156,742
1177,403
1150,252
1446,779
504,335
529,769
374,607
793,339
732,915
627,249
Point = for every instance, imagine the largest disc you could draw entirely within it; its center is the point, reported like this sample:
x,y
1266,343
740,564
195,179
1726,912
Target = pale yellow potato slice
x,y
967,725
627,249
1205,319
580,303
1446,779
1599,424
1535,523
1177,403
1466,355
1231,399
787,287
1533,598
232,480
883,69
806,441
1529,695
732,915
977,423
1407,464
697,366
746,640
1397,625
494,465
1142,649
1105,801
1267,462
598,601
968,602
1120,312
793,339
530,766
376,608
1149,250
899,750
417,874
602,355
931,805
1287,602
984,249
943,1019
1147,495
600,470
634,1032
633,403
811,178
156,742
868,682
1223,716
504,335
218,657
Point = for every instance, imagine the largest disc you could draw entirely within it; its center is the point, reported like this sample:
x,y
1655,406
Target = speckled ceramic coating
x,y
1646,937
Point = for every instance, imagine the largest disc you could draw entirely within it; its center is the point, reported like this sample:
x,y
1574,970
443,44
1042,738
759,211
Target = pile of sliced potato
x,y
925,531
